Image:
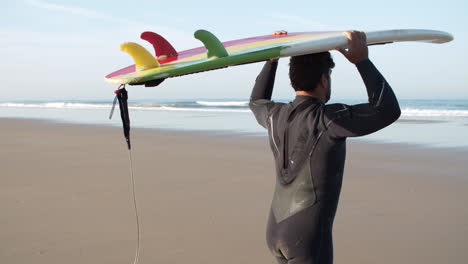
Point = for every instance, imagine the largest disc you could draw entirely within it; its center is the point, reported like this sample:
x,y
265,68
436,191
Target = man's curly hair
x,y
305,70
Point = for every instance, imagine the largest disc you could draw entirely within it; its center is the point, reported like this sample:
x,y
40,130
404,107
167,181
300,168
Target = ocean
x,y
432,123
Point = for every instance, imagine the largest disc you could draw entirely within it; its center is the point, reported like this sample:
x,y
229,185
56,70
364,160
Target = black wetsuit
x,y
308,140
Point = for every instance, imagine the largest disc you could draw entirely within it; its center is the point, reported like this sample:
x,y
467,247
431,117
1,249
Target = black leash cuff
x,y
122,97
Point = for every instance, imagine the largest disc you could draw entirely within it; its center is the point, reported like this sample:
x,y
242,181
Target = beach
x,y
204,197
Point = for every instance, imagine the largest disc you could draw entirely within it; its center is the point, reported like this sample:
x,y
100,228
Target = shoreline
x,y
204,198
211,132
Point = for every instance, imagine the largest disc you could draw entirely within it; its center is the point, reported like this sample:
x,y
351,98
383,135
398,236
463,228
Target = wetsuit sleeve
x,y
362,119
260,99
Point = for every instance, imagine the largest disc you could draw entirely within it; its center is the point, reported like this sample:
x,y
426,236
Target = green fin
x,y
212,44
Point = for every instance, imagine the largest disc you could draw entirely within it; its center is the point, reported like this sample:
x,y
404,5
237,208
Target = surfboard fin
x,y
162,47
151,83
212,44
143,59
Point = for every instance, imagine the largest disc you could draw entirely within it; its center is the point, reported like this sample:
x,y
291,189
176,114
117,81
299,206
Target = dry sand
x,y
65,197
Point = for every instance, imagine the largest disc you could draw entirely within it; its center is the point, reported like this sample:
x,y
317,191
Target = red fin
x,y
161,46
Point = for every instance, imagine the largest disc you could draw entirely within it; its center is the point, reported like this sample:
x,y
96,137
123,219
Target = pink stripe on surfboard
x,y
199,50
126,70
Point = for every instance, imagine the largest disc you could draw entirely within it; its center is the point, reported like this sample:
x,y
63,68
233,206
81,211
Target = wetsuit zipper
x,y
273,134
285,149
286,139
291,117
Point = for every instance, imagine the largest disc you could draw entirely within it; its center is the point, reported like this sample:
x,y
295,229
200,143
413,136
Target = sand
x,y
65,197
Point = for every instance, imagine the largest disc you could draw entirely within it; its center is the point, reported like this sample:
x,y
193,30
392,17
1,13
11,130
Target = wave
x,y
56,105
433,112
230,103
216,106
168,108
190,107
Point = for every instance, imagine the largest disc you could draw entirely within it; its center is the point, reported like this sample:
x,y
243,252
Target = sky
x,y
61,50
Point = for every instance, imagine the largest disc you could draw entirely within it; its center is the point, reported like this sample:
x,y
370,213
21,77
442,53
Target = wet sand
x,y
66,197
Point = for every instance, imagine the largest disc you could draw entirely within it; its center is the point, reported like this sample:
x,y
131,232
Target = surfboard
x,y
151,70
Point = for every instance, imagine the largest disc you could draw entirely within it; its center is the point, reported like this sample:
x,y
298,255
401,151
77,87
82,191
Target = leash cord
x,y
137,251
122,97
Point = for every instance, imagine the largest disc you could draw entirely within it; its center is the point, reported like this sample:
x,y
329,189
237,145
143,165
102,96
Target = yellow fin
x,y
143,59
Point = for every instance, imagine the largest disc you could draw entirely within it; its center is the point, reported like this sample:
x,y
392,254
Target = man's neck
x,y
305,93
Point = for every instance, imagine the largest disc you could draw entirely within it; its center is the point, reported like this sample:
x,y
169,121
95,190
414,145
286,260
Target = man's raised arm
x,y
362,119
260,99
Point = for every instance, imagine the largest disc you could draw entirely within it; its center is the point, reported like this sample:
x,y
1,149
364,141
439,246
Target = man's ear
x,y
324,80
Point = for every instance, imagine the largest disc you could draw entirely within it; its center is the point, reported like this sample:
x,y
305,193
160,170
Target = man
x,y
308,140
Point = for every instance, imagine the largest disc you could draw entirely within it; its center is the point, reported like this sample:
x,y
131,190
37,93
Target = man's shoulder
x,y
335,107
264,102
332,111
264,106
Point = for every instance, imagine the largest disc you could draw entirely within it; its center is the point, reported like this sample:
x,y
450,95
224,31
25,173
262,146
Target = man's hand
x,y
357,47
279,32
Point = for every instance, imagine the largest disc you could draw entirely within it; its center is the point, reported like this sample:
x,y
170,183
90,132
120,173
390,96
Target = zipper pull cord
x,y
115,100
113,107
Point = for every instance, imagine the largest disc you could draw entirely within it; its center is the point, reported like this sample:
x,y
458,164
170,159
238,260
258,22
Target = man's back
x,y
308,140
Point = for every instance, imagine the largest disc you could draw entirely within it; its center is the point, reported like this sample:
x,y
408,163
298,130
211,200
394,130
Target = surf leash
x,y
121,95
